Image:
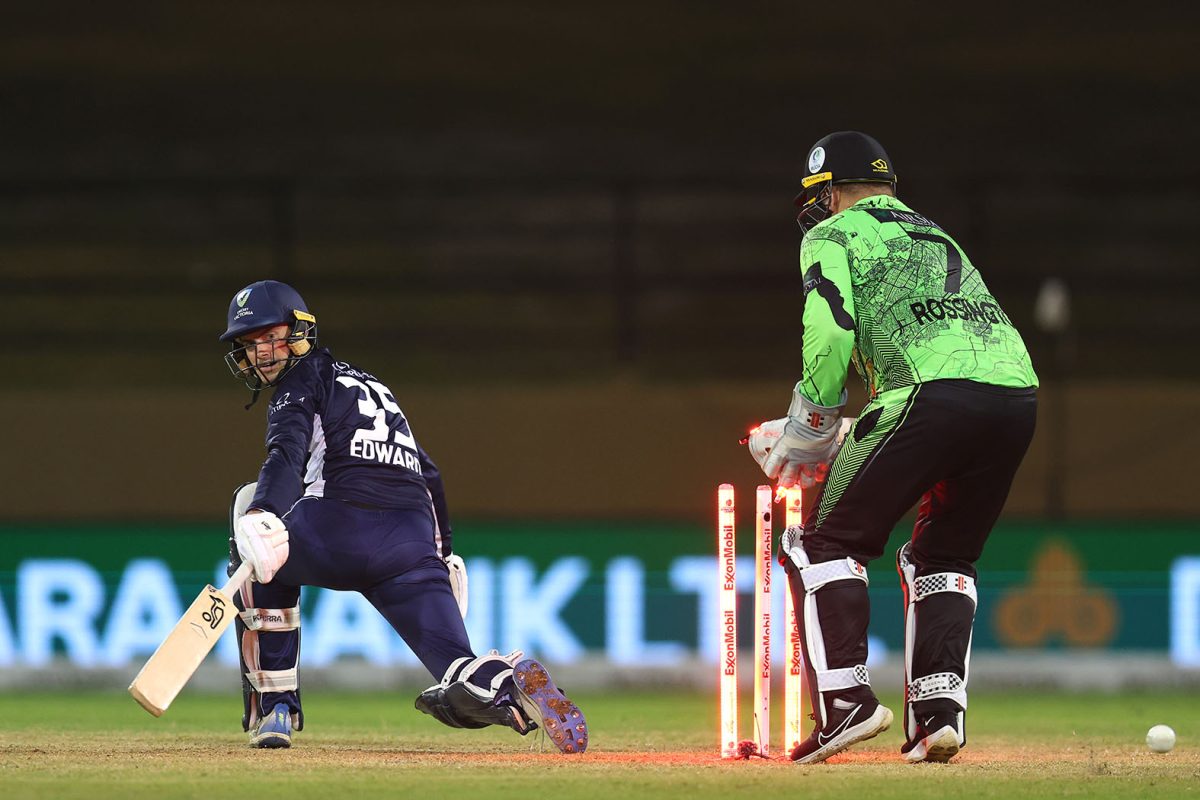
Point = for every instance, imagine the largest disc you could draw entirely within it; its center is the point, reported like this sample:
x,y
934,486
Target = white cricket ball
x,y
1160,739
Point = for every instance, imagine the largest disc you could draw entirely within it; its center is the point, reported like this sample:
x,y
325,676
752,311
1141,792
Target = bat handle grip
x,y
236,579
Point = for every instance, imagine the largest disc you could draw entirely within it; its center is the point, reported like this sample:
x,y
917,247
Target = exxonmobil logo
x,y
795,655
728,558
764,667
729,643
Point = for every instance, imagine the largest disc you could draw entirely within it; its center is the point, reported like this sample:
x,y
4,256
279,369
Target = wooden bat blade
x,y
180,654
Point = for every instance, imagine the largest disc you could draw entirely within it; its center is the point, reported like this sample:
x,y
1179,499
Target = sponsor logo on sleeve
x,y
285,400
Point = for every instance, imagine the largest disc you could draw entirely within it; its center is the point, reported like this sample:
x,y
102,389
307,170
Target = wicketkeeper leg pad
x,y
833,611
939,615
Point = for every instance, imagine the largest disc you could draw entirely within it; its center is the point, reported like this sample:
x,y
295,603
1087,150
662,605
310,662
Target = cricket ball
x,y
1160,739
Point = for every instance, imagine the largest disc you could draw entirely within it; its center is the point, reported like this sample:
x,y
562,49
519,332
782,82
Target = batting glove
x,y
262,540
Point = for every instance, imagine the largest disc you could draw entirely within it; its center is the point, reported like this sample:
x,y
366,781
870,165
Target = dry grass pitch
x,y
643,745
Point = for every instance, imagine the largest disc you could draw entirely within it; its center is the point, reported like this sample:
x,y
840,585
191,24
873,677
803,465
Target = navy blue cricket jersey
x,y
336,431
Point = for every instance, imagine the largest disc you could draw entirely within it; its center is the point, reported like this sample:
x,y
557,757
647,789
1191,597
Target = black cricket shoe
x,y
462,705
852,719
938,736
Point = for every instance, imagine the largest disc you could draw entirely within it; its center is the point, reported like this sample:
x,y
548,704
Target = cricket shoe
x,y
937,738
464,705
850,722
545,703
274,729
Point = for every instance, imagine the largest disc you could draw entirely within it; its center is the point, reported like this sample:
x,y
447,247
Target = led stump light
x,y
793,681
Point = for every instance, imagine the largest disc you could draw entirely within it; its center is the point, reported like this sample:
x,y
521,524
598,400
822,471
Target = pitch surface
x,y
102,745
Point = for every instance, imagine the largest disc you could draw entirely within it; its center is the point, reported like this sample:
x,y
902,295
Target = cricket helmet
x,y
842,157
262,305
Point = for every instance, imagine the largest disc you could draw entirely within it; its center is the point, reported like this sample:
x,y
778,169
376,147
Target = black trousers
x,y
953,445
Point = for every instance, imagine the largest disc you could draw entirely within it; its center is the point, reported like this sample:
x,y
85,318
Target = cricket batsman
x,y
348,500
951,411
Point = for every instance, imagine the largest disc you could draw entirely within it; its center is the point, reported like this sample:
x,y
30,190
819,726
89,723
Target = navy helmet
x,y
265,304
842,157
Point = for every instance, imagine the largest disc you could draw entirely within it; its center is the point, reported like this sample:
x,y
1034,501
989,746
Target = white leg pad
x,y
256,620
834,680
452,671
815,577
943,684
939,582
273,680
271,619
462,669
494,655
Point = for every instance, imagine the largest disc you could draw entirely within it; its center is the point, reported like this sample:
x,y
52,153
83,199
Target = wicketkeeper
x,y
951,413
347,499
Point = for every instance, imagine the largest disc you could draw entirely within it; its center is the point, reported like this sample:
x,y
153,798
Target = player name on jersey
x,y
939,308
385,453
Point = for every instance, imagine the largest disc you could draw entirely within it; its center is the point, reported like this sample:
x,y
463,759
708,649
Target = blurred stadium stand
x,y
518,197
505,279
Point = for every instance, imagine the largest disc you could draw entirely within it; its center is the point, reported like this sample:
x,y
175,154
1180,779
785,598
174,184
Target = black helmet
x,y
262,305
842,157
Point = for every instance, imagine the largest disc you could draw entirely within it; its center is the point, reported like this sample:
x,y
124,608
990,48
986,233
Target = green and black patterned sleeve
x,y
828,315
891,291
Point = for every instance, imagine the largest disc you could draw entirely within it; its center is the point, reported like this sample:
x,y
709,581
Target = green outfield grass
x,y
102,745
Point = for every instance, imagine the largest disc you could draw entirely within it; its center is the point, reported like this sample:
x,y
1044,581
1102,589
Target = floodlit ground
x,y
643,745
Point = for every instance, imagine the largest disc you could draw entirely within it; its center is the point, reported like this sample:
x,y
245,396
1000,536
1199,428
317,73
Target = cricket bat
x,y
197,631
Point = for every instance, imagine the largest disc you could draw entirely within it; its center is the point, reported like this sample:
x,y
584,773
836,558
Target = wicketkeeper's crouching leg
x,y
832,611
939,613
268,633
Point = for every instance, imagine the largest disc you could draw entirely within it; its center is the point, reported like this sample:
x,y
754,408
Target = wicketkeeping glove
x,y
262,540
762,440
809,437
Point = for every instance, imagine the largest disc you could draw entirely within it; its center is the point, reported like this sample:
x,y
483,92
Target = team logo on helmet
x,y
816,159
242,297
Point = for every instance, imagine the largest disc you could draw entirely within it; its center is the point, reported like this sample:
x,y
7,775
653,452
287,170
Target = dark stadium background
x,y
565,230
563,235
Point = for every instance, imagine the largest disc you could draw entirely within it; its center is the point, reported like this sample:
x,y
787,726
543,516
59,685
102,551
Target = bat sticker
x,y
215,614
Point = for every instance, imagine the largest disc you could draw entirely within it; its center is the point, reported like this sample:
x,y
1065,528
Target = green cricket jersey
x,y
887,288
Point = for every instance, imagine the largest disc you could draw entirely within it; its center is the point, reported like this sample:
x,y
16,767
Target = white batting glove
x,y
262,540
809,438
458,581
